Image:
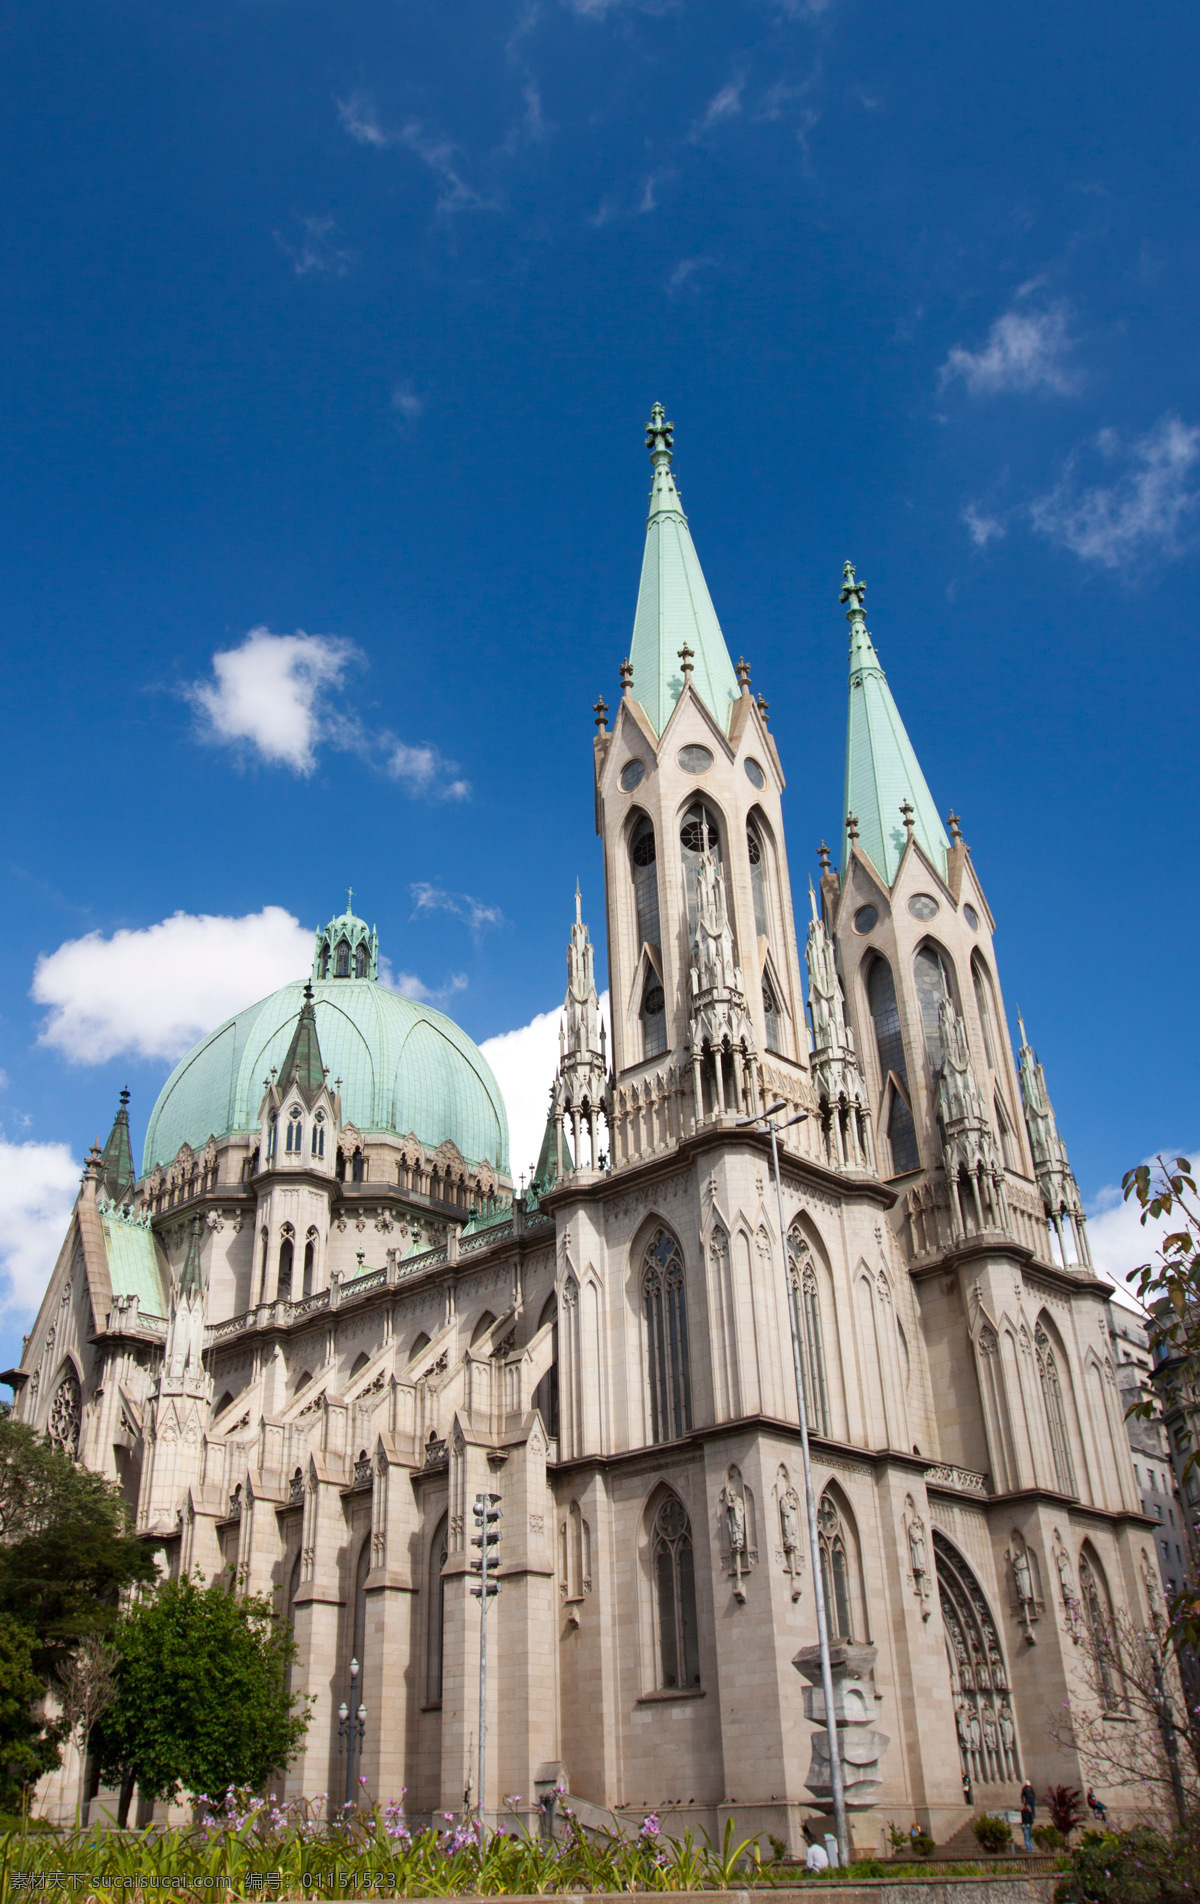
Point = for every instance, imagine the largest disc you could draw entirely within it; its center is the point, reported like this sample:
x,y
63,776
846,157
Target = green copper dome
x,y
403,1067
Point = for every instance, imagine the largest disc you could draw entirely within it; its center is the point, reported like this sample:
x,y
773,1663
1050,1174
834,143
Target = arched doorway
x,y
983,1713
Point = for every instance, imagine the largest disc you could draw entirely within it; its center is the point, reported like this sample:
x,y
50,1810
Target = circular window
x,y
755,774
695,759
631,775
923,906
866,918
643,849
971,917
654,1002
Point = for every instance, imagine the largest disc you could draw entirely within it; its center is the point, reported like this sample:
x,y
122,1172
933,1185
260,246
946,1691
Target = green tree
x,y
28,1745
66,1546
202,1698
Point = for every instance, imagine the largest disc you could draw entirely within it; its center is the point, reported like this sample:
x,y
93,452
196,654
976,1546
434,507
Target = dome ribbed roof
x,y
403,1067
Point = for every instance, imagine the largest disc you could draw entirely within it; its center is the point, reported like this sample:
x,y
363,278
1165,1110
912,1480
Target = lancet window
x,y
983,1714
770,1015
654,1018
287,1251
983,1005
1106,1666
758,883
806,1296
933,984
361,956
664,1297
889,1046
835,1568
436,1614
318,1135
674,1576
341,963
310,1261
643,857
700,831
1056,1414
272,1133
295,1134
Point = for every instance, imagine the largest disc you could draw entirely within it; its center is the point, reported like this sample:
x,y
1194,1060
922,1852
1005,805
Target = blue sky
x,y
341,323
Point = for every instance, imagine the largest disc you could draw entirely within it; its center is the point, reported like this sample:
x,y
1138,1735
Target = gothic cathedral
x,y
318,1322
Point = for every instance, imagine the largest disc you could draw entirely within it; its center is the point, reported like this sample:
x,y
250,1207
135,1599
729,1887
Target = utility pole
x,y
837,1781
485,1513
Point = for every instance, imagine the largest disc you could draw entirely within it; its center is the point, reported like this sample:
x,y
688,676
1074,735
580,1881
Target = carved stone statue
x,y
916,1548
1008,1731
1022,1577
789,1523
735,1519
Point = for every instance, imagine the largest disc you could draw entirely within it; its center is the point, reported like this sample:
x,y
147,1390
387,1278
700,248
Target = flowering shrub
x,y
1131,1867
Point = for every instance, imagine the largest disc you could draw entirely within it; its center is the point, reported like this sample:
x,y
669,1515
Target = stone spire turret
x,y
882,770
302,1068
837,1072
674,608
974,1165
581,1088
1055,1178
117,1176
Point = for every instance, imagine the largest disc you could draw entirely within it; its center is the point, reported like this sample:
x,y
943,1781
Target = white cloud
x,y
725,104
525,1062
982,529
473,912
38,1187
152,992
315,249
1024,351
1119,1242
1150,506
406,403
361,120
685,272
410,986
269,694
423,770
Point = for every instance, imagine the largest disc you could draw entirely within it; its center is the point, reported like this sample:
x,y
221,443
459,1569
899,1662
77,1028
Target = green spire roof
x,y
674,608
882,771
190,1278
116,1166
545,1171
303,1066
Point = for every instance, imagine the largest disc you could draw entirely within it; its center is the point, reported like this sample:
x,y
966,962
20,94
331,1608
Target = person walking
x,y
1028,1812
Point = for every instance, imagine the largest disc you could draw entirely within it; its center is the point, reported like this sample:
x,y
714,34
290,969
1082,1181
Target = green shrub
x,y
992,1833
1048,1838
923,1845
1129,1867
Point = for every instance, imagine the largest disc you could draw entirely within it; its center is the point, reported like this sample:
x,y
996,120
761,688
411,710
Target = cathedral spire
x,y
882,771
302,1066
674,608
117,1176
1055,1178
581,1088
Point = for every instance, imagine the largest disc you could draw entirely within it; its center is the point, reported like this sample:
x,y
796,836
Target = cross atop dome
x,y
347,947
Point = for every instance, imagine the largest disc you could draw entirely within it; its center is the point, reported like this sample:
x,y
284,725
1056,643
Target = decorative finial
x,y
764,707
852,592
825,856
95,1162
906,809
124,1097
660,437
600,710
743,674
686,657
578,905
852,826
308,991
626,673
349,899
955,827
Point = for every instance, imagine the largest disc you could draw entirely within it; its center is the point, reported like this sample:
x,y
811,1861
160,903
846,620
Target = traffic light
x,y
486,1513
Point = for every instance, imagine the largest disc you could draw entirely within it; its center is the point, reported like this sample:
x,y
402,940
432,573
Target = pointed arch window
x,y
310,1261
889,1047
295,1134
1004,1130
758,883
699,829
272,1134
361,957
1105,1663
287,1251
341,966
983,1005
674,1574
665,1302
654,1018
318,1135
66,1413
806,1296
323,962
643,857
932,976
835,1568
1056,1416
770,1015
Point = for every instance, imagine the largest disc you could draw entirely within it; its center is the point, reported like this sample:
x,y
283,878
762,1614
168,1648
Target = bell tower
x,y
706,990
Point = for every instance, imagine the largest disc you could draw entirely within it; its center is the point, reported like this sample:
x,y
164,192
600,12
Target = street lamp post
x,y
352,1730
486,1512
836,1780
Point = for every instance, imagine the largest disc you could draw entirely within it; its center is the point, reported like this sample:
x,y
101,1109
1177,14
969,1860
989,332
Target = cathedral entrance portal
x,y
983,1714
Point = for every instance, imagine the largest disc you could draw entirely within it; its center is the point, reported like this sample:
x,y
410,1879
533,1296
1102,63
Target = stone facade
x,y
612,1354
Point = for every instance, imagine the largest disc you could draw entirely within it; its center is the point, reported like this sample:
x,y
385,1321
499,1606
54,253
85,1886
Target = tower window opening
x,y
665,1301
272,1133
675,1594
654,1020
889,1046
310,1259
318,1136
341,967
295,1134
758,883
700,831
360,961
983,1006
933,984
357,1168
323,963
287,1249
643,855
770,1015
